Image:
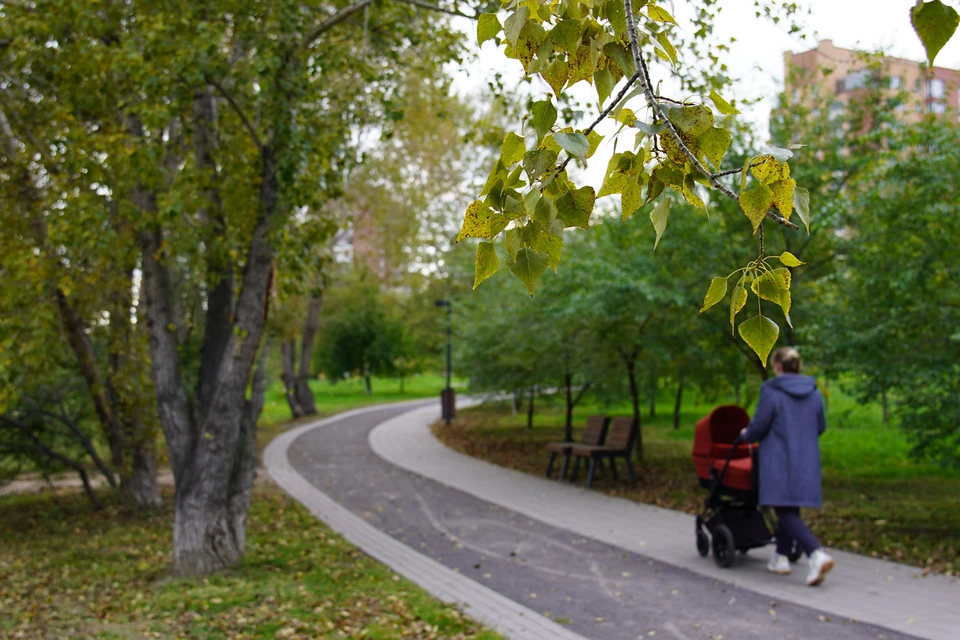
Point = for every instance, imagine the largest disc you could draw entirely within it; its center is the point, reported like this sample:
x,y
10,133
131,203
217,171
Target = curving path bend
x,y
539,559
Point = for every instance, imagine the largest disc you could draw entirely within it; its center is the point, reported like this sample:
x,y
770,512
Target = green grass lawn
x,y
67,571
349,394
877,500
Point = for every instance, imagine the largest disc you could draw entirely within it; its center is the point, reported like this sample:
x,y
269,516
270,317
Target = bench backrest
x,y
621,433
596,430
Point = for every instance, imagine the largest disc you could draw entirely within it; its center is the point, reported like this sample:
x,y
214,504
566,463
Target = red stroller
x,y
725,468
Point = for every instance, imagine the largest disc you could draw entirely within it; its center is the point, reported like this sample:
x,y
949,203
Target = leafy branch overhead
x,y
678,145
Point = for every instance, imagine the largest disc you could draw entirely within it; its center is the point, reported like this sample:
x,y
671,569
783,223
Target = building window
x,y
936,107
936,88
899,105
796,95
815,90
919,108
896,83
916,86
836,110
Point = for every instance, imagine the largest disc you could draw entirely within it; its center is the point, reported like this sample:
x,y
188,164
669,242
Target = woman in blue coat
x,y
787,423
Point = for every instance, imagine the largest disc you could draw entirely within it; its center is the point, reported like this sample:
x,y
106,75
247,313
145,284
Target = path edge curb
x,y
485,605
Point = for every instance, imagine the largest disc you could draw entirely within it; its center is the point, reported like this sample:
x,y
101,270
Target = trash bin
x,y
448,404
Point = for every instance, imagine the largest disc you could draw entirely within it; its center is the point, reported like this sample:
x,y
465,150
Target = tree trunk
x,y
290,379
635,399
533,390
653,395
366,382
139,486
568,425
310,326
677,404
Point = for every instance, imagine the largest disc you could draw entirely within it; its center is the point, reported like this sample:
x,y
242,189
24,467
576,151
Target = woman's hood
x,y
794,384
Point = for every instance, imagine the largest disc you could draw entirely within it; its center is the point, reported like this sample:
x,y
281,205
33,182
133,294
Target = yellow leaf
x,y
487,262
476,222
718,289
790,260
755,203
659,217
760,333
783,196
738,299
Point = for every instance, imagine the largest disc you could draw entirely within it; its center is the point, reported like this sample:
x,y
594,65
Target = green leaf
x,y
692,120
790,260
801,202
631,198
775,287
531,200
529,267
576,144
575,206
690,192
544,117
513,242
659,15
538,161
603,81
512,149
738,299
718,289
498,222
714,143
935,23
566,34
583,64
783,196
556,74
552,245
528,44
755,204
668,48
488,26
649,129
722,105
659,217
476,222
760,333
768,286
617,16
514,24
595,139
487,262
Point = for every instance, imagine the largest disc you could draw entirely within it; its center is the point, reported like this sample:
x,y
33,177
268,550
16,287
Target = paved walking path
x,y
514,549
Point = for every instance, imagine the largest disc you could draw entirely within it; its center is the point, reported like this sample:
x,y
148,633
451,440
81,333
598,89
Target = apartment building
x,y
840,73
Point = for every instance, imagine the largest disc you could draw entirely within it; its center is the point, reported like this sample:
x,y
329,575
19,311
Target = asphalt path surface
x,y
599,591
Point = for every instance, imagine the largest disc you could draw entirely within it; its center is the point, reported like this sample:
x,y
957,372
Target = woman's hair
x,y
788,358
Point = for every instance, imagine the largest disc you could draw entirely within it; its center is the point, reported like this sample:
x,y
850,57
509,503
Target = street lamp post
x,y
447,396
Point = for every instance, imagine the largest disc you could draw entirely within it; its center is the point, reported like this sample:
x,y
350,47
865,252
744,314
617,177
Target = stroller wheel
x,y
795,552
724,546
703,543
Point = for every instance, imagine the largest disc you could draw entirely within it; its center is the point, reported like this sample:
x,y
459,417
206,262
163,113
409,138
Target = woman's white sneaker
x,y
820,566
779,564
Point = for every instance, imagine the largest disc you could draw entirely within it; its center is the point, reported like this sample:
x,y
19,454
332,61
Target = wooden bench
x,y
593,435
621,439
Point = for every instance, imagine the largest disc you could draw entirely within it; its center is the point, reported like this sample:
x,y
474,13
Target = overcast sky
x,y
756,59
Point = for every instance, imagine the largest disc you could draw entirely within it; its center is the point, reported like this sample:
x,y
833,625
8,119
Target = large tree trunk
x,y
310,326
212,451
290,379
